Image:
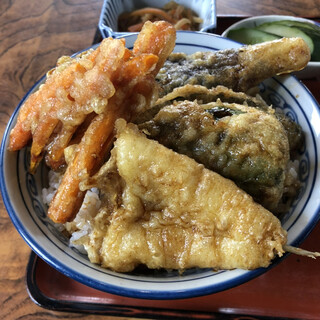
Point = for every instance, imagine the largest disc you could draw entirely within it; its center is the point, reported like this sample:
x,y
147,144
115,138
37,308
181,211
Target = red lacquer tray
x,y
289,290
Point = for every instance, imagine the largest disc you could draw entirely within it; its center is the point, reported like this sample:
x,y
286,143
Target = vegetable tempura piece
x,y
238,69
134,90
244,144
165,210
80,86
75,88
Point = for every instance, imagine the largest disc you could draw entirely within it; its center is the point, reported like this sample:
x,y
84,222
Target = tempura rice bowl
x,y
22,195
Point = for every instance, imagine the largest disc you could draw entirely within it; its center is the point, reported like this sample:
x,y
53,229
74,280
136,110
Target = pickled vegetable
x,y
310,32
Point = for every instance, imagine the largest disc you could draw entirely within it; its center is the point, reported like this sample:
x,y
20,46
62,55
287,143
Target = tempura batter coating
x,y
244,144
164,210
239,69
79,102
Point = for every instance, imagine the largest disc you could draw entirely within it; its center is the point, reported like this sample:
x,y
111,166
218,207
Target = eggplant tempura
x,y
70,120
238,69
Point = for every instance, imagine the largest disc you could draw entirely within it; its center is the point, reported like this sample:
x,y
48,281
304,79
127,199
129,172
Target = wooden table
x,y
33,34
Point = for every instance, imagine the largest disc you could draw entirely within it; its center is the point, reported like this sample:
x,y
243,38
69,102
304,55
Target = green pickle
x,y
277,29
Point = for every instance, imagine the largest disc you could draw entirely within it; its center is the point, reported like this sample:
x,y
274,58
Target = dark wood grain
x,y
33,34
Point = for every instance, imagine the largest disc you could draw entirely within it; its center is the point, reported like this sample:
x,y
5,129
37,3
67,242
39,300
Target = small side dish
x,y
182,18
122,17
290,25
267,31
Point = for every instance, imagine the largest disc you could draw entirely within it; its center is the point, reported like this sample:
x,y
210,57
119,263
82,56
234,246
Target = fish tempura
x,y
165,210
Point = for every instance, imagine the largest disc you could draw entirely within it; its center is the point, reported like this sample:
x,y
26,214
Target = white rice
x,y
54,182
81,225
291,183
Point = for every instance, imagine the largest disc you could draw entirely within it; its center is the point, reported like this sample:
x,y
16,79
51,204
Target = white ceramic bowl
x,y
312,69
21,193
108,22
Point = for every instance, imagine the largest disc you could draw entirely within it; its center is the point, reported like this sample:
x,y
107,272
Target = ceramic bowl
x,y
108,22
21,194
312,69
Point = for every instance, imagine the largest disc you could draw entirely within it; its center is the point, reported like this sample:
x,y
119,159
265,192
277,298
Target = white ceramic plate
x,y
21,193
312,69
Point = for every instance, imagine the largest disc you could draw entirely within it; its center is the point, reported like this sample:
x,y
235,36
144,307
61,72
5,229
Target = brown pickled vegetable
x,y
181,17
